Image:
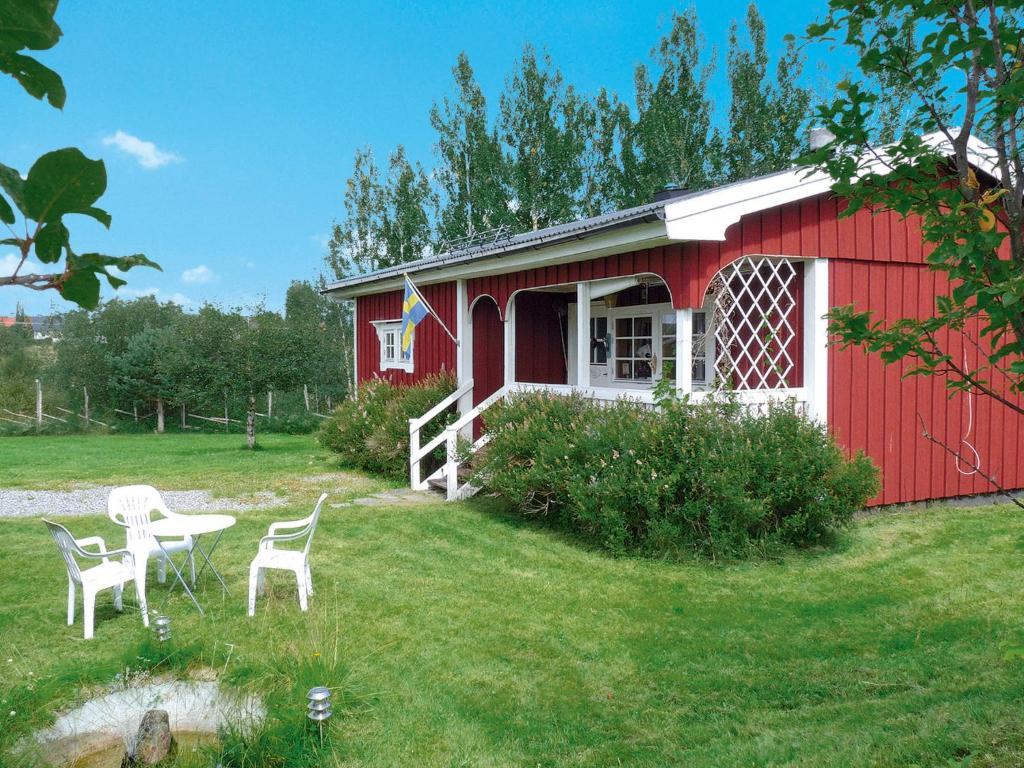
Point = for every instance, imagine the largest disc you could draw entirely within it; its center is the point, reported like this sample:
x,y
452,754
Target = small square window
x,y
390,336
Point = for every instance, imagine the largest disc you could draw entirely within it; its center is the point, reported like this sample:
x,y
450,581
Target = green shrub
x,y
371,431
711,478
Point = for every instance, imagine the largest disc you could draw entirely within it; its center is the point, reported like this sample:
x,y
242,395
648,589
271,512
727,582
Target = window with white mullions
x,y
390,346
389,334
668,344
598,340
700,339
634,348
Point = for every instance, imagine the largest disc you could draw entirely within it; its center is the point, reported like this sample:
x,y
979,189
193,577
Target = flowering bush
x,y
371,430
711,478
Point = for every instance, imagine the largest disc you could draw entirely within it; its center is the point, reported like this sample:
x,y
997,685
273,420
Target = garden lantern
x,y
319,707
162,626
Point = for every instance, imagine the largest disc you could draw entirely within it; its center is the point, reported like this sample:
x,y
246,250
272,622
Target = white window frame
x,y
655,312
389,333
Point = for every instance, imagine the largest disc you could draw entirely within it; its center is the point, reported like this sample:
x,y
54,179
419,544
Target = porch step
x,y
441,483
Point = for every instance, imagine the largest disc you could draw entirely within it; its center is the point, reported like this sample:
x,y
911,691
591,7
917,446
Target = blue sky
x,y
228,128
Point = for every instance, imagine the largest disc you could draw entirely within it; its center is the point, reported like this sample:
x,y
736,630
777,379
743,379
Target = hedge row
x,y
710,478
371,430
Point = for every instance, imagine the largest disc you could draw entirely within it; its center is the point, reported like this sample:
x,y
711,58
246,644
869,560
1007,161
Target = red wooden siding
x,y
433,351
874,409
540,338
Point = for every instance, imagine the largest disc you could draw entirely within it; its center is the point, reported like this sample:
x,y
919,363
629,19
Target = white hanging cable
x,y
964,442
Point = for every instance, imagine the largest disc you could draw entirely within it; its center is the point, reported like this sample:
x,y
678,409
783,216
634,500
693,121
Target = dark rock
x,y
153,743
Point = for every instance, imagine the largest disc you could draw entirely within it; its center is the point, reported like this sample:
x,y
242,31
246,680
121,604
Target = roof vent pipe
x,y
669,192
820,138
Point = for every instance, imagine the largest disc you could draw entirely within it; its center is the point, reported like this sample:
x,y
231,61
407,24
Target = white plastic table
x,y
195,526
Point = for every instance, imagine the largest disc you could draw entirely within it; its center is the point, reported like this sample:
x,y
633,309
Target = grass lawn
x,y
455,635
174,461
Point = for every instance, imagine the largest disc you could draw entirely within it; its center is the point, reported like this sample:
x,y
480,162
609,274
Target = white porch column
x,y
464,353
355,346
816,338
684,351
582,335
510,342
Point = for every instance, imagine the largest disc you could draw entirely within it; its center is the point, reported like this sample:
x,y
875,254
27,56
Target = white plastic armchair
x,y
108,574
294,560
131,507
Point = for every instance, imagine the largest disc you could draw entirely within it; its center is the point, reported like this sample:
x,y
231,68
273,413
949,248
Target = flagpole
x,y
430,309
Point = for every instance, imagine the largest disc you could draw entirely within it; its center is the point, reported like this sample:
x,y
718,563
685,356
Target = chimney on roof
x,y
820,137
669,191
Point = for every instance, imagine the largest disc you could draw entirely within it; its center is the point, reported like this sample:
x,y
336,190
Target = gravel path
x,y
15,502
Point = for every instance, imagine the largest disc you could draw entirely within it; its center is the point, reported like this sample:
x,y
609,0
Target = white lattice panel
x,y
756,323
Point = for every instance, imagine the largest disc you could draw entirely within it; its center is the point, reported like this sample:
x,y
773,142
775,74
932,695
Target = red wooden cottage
x,y
726,284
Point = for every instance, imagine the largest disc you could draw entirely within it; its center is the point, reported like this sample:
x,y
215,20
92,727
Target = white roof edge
x,y
708,216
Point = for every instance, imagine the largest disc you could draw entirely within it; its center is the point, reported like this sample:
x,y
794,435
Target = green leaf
x,y
51,241
61,182
82,287
6,212
99,214
28,24
37,79
14,186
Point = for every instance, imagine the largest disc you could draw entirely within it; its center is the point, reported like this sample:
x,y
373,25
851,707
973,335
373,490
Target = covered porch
x,y
758,331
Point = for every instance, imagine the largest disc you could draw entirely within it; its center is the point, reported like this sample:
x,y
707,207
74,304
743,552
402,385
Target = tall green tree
x,y
471,166
59,184
611,160
387,222
405,227
768,116
964,64
321,330
146,371
356,245
261,358
545,125
674,113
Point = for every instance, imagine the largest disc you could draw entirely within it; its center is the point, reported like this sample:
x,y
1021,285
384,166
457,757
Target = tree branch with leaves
x,y
59,184
957,169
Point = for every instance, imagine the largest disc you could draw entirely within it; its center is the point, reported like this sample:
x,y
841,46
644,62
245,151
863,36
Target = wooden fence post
x,y
85,392
183,417
39,404
270,404
305,396
225,411
135,411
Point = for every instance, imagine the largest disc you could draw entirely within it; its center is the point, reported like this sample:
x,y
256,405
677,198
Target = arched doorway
x,y
488,349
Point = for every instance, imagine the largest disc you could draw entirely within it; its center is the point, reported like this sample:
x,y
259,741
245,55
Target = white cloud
x,y
135,293
147,153
9,262
200,274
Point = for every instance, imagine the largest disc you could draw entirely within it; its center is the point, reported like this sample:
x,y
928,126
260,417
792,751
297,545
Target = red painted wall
x,y
540,354
434,351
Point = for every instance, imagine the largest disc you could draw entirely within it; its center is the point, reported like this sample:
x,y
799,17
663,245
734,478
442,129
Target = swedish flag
x,y
413,311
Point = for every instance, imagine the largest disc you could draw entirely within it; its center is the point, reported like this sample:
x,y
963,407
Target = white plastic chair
x,y
131,507
106,575
295,560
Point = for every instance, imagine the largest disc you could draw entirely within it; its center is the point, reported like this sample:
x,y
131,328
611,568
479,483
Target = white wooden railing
x,y
417,452
450,471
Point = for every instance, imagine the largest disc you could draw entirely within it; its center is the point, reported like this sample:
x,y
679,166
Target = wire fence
x,y
59,411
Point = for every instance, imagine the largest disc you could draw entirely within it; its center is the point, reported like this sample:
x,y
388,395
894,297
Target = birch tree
x,y
470,167
544,126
